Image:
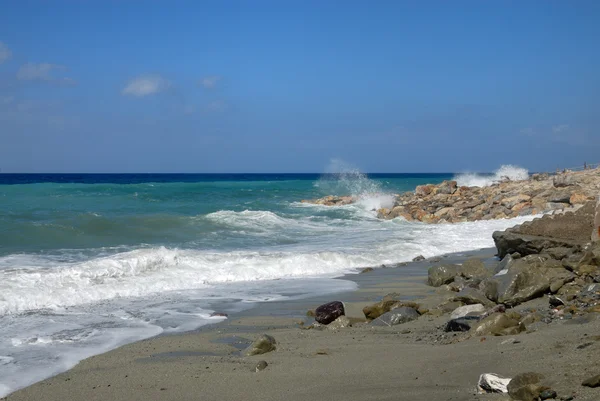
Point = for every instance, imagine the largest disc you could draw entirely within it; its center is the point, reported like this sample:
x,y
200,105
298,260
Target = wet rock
x,y
461,324
502,267
461,311
339,323
263,344
418,258
328,312
493,383
446,187
593,381
218,314
396,316
498,324
525,386
261,365
366,270
441,274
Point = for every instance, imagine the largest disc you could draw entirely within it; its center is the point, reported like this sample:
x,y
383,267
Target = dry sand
x,y
412,361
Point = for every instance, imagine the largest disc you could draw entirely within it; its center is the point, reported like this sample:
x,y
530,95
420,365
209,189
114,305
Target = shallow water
x,y
88,263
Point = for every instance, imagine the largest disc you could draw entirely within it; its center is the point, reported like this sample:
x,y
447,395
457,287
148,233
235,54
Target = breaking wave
x,y
505,172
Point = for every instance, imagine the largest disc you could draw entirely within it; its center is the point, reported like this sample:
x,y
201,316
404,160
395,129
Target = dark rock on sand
x,y
461,324
263,344
593,381
548,395
525,387
328,312
396,316
471,296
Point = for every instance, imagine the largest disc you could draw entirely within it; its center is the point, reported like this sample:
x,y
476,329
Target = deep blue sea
x,y
91,262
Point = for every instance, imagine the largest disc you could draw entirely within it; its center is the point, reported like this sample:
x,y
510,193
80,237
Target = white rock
x,y
465,310
492,383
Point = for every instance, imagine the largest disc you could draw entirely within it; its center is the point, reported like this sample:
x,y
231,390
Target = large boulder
x,y
328,312
263,344
472,296
396,316
474,268
441,274
526,279
446,187
387,304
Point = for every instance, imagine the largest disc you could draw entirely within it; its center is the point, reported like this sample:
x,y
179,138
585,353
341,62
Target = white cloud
x,y
5,53
43,72
210,82
146,85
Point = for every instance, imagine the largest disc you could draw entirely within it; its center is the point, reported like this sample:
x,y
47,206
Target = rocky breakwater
x,y
449,203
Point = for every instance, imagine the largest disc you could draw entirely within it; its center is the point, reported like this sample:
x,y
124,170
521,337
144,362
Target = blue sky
x,y
281,86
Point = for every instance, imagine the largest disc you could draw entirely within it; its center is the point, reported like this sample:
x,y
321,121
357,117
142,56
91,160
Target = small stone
x,y
339,323
510,341
462,311
261,365
263,344
366,270
396,316
461,324
418,258
548,394
492,383
593,381
218,314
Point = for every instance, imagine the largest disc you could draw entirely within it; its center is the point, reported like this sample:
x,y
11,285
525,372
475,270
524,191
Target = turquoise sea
x,y
91,262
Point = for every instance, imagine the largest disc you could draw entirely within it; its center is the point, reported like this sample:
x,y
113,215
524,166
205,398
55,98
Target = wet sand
x,y
411,361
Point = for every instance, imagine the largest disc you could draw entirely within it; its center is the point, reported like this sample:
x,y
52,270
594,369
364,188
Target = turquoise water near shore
x,y
91,262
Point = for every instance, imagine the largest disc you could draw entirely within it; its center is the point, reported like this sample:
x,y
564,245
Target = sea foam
x,y
510,172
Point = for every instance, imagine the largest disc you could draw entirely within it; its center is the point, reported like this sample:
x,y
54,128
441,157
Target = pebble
x,y
261,365
548,395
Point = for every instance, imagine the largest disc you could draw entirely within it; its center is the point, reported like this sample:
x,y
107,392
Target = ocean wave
x,y
510,172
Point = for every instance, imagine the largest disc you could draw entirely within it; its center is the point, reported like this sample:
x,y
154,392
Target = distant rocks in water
x,y
449,203
418,258
263,344
329,312
332,200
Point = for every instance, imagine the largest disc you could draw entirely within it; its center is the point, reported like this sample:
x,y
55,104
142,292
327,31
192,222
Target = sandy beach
x,y
412,361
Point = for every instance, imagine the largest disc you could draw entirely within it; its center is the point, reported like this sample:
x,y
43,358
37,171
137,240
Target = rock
x,y
476,309
418,258
526,279
593,381
514,200
263,344
510,341
366,270
596,225
385,305
471,296
441,274
498,324
461,324
424,190
473,267
328,312
396,316
540,176
548,395
446,187
578,199
339,323
261,365
502,267
563,180
525,387
492,383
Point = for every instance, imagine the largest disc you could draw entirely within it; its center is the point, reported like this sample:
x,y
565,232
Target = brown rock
x,y
525,387
593,381
578,199
498,324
